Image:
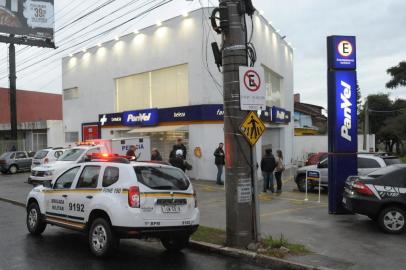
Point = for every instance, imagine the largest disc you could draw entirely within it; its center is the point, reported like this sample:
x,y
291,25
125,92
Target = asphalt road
x,y
63,249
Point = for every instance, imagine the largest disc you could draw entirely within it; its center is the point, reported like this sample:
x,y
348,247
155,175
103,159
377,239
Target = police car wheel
x,y
102,240
392,220
176,243
35,224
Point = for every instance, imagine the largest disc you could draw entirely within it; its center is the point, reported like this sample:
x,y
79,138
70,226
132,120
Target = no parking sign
x,y
252,90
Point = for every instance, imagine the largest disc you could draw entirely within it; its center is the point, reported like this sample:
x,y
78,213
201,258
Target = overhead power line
x,y
70,39
162,3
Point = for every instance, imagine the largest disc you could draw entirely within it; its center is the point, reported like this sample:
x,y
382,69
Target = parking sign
x,y
252,90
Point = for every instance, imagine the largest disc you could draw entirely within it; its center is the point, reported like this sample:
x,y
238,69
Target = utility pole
x,y
240,215
366,125
13,91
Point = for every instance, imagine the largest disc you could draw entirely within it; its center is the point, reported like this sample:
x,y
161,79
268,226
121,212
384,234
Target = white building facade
x,y
162,82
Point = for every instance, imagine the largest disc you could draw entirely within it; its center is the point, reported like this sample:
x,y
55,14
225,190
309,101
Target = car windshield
x,y
71,155
386,170
41,154
391,161
162,178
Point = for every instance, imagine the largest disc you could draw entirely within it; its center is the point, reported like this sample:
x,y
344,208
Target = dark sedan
x,y
380,195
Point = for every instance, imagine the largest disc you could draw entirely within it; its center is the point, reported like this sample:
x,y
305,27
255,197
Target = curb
x,y
12,202
252,257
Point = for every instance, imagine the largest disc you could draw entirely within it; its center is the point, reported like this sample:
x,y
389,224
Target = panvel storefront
x,y
156,83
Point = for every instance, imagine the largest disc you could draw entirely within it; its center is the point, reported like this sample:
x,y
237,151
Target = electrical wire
x,y
47,50
137,16
204,48
163,2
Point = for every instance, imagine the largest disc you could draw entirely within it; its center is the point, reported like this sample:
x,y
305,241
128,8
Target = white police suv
x,y
46,172
111,198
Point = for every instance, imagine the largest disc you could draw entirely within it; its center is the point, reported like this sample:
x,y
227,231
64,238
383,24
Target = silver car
x,y
12,162
367,163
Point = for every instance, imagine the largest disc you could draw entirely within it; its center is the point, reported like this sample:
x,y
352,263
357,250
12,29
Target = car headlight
x,y
49,173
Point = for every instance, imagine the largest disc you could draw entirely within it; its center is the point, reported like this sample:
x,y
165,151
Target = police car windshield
x,y
162,178
71,155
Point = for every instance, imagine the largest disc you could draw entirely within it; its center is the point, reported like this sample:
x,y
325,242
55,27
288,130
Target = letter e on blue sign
x,y
342,52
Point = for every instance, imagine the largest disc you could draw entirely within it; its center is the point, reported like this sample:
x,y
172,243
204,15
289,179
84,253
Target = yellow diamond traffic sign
x,y
252,128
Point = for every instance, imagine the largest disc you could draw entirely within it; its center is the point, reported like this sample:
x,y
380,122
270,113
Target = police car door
x,y
84,191
57,198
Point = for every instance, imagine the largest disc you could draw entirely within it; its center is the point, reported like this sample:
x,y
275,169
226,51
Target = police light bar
x,y
108,157
90,143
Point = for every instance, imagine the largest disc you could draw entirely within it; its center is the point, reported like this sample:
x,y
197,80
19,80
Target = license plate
x,y
170,209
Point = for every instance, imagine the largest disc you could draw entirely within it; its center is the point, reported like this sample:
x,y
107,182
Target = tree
x,y
376,102
359,99
398,74
394,133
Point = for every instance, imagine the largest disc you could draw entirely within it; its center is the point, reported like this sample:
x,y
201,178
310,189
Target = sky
x,y
378,25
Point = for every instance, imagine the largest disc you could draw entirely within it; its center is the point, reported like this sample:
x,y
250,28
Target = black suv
x,y
380,195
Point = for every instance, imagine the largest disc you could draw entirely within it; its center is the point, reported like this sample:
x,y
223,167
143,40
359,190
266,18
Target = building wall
x,y
178,41
31,106
55,133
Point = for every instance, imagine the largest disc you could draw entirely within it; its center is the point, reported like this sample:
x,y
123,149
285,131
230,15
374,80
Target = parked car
x,y
116,198
380,195
45,172
12,162
315,158
366,163
46,156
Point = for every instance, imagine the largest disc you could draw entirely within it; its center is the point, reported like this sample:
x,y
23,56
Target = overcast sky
x,y
378,25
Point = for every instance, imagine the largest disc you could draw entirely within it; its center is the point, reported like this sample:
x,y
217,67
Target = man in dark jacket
x,y
268,165
179,146
178,161
219,161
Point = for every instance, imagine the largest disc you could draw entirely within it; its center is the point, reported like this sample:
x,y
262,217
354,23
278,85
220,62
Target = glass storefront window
x,y
162,88
163,141
273,88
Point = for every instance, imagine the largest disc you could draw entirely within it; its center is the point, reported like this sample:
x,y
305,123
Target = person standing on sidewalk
x,y
280,167
268,164
219,161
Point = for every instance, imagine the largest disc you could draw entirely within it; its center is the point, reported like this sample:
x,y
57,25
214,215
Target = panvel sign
x,y
279,115
147,117
344,122
342,115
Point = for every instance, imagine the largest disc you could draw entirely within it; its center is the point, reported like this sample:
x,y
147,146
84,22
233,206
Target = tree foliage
x,y
387,119
398,74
